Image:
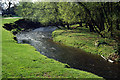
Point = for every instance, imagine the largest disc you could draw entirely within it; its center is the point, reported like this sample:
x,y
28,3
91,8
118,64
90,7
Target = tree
x,y
70,13
47,12
44,12
101,17
25,9
8,6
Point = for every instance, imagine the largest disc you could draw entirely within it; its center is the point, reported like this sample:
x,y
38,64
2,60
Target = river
x,y
40,38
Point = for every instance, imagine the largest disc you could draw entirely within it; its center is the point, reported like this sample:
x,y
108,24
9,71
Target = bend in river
x,y
76,58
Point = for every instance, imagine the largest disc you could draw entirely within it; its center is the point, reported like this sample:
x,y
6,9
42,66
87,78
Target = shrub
x,y
10,15
5,15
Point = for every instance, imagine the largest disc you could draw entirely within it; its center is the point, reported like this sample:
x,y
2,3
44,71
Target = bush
x,y
5,15
10,15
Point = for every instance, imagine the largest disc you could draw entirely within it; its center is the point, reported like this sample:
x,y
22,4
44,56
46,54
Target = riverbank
x,y
84,39
22,61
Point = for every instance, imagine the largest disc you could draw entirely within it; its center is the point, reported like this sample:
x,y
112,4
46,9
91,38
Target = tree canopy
x,y
101,17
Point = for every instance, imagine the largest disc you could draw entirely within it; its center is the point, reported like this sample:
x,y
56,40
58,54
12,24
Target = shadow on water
x,y
74,57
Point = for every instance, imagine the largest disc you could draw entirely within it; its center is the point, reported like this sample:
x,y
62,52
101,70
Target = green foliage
x,y
70,12
5,15
9,15
101,17
47,13
43,12
106,33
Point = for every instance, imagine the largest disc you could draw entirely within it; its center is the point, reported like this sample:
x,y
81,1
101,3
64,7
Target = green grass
x,y
0,16
0,49
84,39
22,61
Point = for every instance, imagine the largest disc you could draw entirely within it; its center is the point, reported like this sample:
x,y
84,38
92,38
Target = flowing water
x,y
75,58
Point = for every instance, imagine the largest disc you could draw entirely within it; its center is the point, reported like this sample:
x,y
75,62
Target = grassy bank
x,y
22,61
85,40
0,49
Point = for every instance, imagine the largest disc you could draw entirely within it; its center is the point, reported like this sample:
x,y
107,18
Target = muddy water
x,y
75,58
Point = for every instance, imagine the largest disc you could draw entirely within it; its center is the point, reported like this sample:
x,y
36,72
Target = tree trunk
x,y
91,19
9,5
68,26
62,25
80,24
117,24
111,24
91,27
86,25
101,26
